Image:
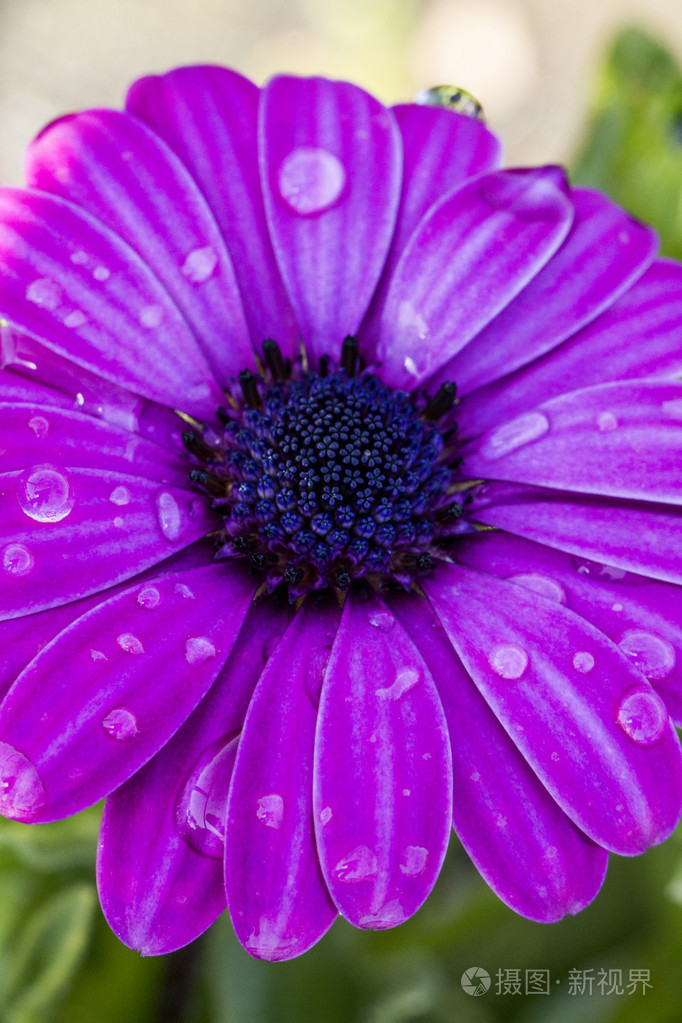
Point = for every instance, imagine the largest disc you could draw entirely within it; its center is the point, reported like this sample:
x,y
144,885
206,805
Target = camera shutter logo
x,y
475,980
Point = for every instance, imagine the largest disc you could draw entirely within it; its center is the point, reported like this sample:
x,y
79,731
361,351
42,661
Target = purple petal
x,y
102,720
605,251
650,313
160,862
471,254
640,615
209,117
621,440
331,164
125,328
588,723
383,771
634,536
277,899
525,847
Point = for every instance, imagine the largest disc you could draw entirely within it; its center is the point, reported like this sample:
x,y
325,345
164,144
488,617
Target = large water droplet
x,y
39,425
270,810
198,650
382,620
169,515
200,264
45,494
120,723
413,860
405,679
653,655
17,560
22,793
542,584
359,865
513,435
120,496
606,422
583,661
149,597
45,293
310,180
130,644
508,660
202,807
643,716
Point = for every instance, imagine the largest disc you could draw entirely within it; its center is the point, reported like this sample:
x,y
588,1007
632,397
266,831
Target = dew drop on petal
x,y
606,422
79,257
508,660
97,655
405,679
202,808
200,264
653,655
642,716
382,620
120,496
270,810
17,560
184,591
513,435
325,815
39,425
45,293
359,865
151,316
130,644
542,584
44,493
413,860
22,793
583,661
101,273
149,597
168,513
389,915
75,319
310,180
120,723
198,650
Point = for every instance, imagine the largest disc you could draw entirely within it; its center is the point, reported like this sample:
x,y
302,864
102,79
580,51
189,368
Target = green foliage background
x,y
59,963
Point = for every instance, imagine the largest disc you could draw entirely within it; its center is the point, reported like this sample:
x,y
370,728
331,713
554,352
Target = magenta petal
x,y
209,117
525,847
276,896
103,719
331,164
63,532
471,254
49,250
588,723
160,862
383,771
603,254
621,440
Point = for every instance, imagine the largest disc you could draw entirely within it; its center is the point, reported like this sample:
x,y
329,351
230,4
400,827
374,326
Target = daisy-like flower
x,y
292,603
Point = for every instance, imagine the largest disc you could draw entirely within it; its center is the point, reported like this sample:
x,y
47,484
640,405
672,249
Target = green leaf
x,y
633,148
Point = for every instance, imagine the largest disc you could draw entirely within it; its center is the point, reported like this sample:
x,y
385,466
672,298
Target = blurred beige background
x,y
532,63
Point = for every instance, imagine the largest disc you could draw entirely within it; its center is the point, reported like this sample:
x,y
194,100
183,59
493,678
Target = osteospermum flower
x,y
270,584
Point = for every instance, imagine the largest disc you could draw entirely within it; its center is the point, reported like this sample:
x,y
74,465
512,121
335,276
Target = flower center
x,y
325,477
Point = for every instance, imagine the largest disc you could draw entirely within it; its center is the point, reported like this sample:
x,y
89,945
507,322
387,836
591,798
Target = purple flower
x,y
267,584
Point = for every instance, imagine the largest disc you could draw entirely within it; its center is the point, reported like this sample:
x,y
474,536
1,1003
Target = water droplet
x,y
475,776
389,915
45,293
44,493
80,258
120,496
80,400
130,644
97,655
75,319
326,815
413,860
149,597
642,716
310,180
22,793
405,679
118,522
359,865
151,315
17,560
541,584
411,367
184,591
607,422
508,660
270,811
595,570
382,620
120,723
39,425
200,264
513,435
198,650
616,607
202,807
168,512
653,655
407,792
583,661
101,273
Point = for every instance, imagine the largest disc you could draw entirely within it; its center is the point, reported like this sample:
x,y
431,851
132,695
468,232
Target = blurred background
x,y
594,84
